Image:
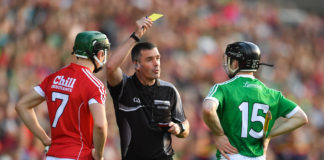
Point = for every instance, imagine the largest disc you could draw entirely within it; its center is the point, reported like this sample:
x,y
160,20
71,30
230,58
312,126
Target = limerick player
x,y
235,110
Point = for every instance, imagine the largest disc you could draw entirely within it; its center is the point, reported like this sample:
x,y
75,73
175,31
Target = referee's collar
x,y
138,82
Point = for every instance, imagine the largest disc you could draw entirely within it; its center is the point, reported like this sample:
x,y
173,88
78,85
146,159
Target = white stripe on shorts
x,y
54,158
241,157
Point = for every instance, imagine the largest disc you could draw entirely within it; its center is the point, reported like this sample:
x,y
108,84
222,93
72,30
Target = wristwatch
x,y
133,35
181,128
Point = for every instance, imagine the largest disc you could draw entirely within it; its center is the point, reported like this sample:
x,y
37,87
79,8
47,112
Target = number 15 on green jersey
x,y
243,104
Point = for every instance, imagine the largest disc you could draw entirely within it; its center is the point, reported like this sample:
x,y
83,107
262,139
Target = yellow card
x,y
155,16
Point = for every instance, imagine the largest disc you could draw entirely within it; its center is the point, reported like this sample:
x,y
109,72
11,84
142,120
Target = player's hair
x,y
136,51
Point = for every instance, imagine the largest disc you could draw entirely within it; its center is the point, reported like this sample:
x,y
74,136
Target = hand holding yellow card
x,y
155,16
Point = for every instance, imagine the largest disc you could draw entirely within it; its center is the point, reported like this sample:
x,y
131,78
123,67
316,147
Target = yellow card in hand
x,y
155,16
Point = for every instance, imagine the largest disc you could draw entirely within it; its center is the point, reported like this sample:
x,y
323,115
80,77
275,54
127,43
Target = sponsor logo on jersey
x,y
65,84
249,85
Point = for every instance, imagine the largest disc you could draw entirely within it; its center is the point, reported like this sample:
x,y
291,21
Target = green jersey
x,y
243,104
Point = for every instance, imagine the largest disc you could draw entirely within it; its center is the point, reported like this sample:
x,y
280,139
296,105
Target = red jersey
x,y
68,93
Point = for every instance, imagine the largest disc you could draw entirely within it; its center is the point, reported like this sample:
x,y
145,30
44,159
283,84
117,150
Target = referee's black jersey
x,y
139,109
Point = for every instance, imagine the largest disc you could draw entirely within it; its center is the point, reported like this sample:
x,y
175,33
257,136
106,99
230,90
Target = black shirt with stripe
x,y
138,110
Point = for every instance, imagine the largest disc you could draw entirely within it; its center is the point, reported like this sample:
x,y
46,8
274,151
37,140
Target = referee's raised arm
x,y
114,72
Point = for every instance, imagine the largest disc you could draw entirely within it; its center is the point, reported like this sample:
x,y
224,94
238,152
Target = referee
x,y
148,110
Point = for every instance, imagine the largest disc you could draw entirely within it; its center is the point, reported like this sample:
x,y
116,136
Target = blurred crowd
x,y
37,36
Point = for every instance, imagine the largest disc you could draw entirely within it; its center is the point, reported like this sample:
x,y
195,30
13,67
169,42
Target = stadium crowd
x,y
36,39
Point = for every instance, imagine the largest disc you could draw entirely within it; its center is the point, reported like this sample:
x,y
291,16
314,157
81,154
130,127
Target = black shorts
x,y
134,157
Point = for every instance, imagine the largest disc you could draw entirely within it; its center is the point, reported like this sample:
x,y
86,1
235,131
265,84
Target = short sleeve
x,y
287,108
116,91
97,92
41,88
215,94
177,111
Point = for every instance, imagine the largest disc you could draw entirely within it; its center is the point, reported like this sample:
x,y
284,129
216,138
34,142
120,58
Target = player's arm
x,y
26,112
114,72
297,120
211,118
99,129
212,121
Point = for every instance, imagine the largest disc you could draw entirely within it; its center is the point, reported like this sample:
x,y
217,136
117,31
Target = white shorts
x,y
54,158
240,157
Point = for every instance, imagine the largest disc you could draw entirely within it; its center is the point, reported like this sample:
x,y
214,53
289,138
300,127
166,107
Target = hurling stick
x,y
266,123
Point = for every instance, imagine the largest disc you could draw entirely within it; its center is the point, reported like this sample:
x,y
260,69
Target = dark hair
x,y
141,46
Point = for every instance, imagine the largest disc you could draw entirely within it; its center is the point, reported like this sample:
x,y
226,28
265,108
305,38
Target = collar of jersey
x,y
137,82
74,65
245,76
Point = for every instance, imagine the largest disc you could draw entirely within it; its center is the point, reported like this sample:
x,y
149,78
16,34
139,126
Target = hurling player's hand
x,y
47,141
265,144
95,155
142,25
224,146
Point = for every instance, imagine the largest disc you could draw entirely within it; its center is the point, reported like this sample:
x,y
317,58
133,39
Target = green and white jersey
x,y
243,104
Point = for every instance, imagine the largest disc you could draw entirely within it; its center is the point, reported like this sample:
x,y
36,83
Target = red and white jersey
x,y
68,93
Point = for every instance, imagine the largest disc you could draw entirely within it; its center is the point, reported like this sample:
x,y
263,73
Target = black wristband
x,y
181,128
133,35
